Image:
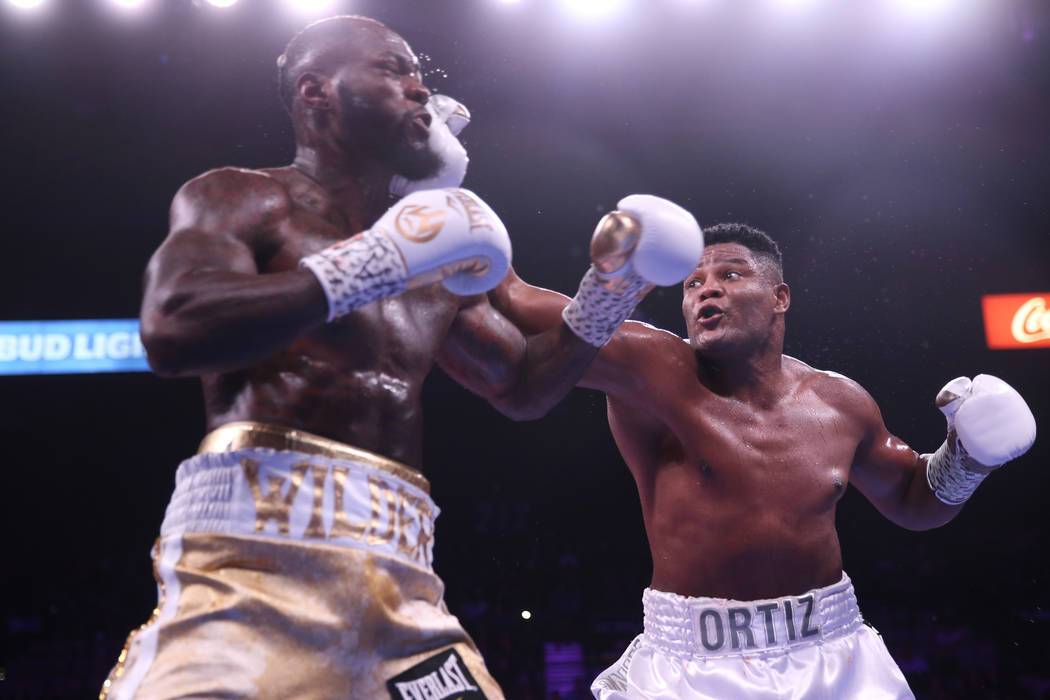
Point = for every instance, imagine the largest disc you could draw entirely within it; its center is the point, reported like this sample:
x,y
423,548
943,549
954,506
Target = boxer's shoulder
x,y
641,361
231,200
653,339
220,182
645,350
832,388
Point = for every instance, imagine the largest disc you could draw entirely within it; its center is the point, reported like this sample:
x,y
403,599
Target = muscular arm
x,y
893,476
206,308
525,376
513,348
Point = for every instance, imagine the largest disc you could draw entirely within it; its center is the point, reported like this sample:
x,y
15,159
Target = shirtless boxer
x,y
740,455
295,555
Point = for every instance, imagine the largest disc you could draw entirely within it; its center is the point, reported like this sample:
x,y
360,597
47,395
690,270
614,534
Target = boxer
x,y
740,455
295,556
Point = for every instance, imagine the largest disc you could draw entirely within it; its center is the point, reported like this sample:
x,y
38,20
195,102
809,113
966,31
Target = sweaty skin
x,y
740,453
225,299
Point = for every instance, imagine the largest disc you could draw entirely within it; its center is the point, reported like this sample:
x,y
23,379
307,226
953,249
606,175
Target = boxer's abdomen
x,y
357,380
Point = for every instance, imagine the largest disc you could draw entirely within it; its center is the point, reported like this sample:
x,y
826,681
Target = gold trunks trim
x,y
246,434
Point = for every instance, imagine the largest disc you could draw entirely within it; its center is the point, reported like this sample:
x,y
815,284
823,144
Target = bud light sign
x,y
71,347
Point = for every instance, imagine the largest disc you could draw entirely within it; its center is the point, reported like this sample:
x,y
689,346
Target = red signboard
x,y
1017,320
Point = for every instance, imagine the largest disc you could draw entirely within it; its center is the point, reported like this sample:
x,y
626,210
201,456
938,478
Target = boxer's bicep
x,y
212,220
483,351
531,309
206,307
185,266
892,476
883,470
188,251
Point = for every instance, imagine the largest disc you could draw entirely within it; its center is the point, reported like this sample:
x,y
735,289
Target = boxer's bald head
x,y
323,46
758,242
355,92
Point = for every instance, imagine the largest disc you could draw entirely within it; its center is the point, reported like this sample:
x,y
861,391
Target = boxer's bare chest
x,y
734,493
358,378
794,455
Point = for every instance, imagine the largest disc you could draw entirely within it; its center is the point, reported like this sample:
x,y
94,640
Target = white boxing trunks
x,y
292,566
813,646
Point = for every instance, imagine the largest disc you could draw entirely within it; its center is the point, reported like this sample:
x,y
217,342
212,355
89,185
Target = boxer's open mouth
x,y
710,312
420,123
709,316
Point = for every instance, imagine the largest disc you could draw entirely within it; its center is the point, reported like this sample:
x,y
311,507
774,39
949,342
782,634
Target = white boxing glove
x,y
647,241
988,424
449,117
447,235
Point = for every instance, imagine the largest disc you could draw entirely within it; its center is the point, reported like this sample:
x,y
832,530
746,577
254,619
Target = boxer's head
x,y
352,83
735,299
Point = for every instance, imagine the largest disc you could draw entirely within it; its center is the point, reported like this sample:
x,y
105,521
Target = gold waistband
x,y
243,434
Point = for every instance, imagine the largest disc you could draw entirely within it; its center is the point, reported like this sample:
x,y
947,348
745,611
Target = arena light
x,y
592,8
128,3
26,4
310,5
221,3
921,7
693,6
526,615
794,4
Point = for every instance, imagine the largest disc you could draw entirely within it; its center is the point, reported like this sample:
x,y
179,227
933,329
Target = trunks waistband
x,y
252,479
242,434
705,627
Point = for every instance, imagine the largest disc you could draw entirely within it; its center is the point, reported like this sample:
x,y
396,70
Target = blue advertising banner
x,y
71,347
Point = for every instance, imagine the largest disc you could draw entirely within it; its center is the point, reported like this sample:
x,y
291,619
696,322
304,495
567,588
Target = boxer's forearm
x,y
521,375
647,241
917,508
553,363
893,477
218,321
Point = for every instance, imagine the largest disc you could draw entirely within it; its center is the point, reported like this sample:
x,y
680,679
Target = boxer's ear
x,y
782,294
314,90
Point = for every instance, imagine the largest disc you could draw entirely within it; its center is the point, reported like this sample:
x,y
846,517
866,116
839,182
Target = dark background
x,y
900,158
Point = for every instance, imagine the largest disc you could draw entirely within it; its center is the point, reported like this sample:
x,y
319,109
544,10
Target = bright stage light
x,y
692,6
921,6
310,5
794,4
593,8
27,3
128,3
221,3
